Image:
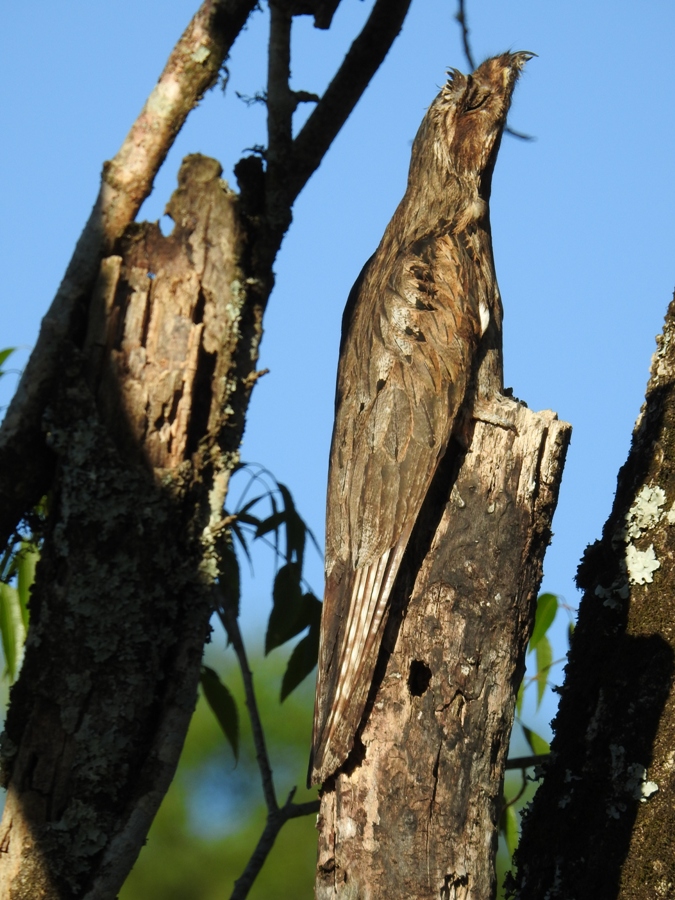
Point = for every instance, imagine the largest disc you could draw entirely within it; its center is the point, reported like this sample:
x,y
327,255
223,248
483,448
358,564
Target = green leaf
x,y
271,523
291,612
301,663
12,628
5,354
536,742
544,660
547,607
509,827
520,697
27,559
295,527
223,705
570,633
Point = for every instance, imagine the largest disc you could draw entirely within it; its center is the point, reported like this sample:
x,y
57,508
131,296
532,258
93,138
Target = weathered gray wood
x,y
415,814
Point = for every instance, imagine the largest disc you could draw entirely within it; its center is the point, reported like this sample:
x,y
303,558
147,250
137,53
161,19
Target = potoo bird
x,y
421,338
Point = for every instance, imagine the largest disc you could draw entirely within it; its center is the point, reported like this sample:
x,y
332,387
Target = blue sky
x,y
582,217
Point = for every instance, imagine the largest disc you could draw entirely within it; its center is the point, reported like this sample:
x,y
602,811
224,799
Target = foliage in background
x,y
295,608
214,811
520,783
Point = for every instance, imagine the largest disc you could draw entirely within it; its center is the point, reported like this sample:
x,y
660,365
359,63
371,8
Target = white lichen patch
x,y
641,564
615,593
670,515
201,54
637,785
646,510
645,514
648,788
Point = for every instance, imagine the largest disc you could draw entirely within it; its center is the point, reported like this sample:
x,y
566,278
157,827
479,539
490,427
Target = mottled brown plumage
x,y
424,311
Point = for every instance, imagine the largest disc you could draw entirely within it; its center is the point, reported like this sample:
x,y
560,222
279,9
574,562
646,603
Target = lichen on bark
x,y
145,428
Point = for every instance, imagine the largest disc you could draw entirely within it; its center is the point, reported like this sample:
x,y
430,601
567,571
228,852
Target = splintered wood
x,y
164,312
415,811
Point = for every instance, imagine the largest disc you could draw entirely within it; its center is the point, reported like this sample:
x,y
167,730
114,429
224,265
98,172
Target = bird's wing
x,y
406,359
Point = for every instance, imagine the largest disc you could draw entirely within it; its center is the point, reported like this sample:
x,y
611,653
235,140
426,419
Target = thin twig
x,y
523,788
231,626
274,824
461,18
277,816
460,15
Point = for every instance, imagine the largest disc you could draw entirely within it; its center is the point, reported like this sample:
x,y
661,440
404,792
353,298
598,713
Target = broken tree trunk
x,y
145,427
415,810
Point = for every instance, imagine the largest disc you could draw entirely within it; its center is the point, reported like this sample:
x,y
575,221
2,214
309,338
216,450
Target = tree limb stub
x,y
414,812
194,64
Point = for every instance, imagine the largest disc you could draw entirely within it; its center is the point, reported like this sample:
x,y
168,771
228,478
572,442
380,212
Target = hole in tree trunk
x,y
419,678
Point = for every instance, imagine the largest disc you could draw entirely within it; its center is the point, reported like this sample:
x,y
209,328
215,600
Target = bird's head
x,y
464,124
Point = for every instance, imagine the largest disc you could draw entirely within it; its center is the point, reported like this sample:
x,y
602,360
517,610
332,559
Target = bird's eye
x,y
475,100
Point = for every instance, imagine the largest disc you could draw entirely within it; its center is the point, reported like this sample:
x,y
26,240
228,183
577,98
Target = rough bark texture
x,y
130,412
602,824
26,465
415,811
144,442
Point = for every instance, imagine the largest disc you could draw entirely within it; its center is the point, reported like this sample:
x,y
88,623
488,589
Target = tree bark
x,y
26,465
602,823
131,413
145,427
415,811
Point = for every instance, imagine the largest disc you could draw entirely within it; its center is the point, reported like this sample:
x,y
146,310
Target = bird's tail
x,y
348,657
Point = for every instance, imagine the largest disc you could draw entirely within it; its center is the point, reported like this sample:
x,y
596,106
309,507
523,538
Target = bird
x,y
421,341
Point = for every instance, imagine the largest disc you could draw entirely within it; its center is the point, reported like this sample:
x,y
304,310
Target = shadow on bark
x,y
145,427
588,833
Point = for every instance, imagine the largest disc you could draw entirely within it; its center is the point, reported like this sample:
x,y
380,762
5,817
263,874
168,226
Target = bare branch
x,y
305,97
126,181
280,107
461,18
352,78
275,823
277,816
